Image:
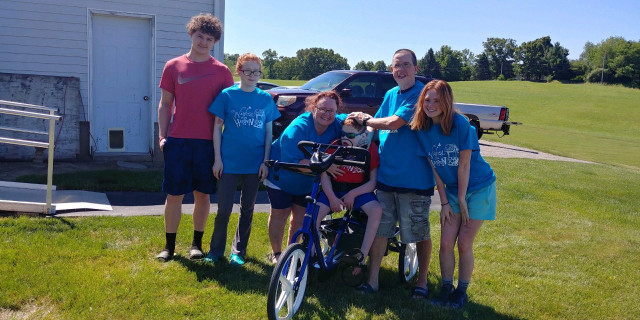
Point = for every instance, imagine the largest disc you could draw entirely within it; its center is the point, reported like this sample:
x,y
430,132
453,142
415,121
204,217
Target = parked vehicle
x,y
487,118
365,90
263,85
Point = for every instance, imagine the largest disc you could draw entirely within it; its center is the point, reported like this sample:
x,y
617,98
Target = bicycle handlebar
x,y
320,160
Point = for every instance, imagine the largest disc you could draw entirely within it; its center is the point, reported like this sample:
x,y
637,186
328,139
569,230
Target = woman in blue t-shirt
x,y
465,181
246,113
287,193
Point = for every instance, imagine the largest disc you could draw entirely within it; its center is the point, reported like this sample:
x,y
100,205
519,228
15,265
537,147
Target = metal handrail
x,y
52,117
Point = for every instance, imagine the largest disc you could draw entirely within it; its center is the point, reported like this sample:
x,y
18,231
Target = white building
x,y
97,61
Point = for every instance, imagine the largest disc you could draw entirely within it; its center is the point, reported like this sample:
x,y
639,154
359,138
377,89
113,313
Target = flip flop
x,y
419,293
366,288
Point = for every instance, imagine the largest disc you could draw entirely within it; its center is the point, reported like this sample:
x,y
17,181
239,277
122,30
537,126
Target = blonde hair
x,y
420,121
246,58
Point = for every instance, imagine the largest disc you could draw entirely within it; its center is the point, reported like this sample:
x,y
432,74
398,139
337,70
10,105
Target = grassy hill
x,y
585,121
599,123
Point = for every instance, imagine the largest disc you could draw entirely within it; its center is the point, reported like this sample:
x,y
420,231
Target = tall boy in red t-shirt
x,y
190,82
352,190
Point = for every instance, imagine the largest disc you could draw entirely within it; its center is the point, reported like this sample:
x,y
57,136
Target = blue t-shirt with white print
x,y
400,165
245,115
444,152
285,149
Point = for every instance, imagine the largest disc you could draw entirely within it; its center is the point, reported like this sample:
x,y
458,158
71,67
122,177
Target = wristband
x,y
160,140
444,204
364,122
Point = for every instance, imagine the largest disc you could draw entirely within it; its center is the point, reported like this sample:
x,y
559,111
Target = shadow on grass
x,y
328,297
234,278
336,301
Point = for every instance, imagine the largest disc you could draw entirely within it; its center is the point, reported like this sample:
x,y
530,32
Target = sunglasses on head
x,y
351,135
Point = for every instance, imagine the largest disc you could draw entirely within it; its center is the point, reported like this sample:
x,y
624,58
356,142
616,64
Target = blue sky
x,y
373,30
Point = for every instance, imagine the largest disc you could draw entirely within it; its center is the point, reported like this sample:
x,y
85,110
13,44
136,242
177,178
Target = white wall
x,y
49,37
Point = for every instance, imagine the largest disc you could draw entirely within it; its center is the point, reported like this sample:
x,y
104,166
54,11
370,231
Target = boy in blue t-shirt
x,y
240,150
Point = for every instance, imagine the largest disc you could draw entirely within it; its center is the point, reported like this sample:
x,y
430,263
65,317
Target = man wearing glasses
x,y
405,182
190,82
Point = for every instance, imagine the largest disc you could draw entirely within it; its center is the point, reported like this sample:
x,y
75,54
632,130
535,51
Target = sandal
x,y
164,255
366,288
419,293
273,257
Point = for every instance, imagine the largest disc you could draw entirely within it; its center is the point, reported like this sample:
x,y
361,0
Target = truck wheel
x,y
476,125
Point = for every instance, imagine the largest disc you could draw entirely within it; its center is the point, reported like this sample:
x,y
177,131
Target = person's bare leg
x,y
448,238
466,236
378,248
201,208
277,222
374,213
296,220
423,249
172,213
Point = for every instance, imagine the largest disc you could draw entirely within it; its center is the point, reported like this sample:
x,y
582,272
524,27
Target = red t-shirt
x,y
194,86
353,174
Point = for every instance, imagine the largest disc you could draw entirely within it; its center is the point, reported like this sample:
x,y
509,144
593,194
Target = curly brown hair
x,y
205,23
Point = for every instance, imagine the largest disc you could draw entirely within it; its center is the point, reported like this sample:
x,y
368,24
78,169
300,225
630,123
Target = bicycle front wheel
x,y
407,261
288,284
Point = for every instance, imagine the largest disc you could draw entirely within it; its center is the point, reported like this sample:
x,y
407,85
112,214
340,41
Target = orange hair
x,y
420,121
246,58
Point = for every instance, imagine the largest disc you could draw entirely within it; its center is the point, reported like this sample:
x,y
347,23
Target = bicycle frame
x,y
308,231
309,234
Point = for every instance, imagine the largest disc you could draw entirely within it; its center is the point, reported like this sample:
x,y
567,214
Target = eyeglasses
x,y
251,73
405,65
351,135
325,111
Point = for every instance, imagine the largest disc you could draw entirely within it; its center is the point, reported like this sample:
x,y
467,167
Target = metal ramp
x,y
31,198
36,198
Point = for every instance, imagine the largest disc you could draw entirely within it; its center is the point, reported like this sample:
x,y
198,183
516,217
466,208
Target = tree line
x,y
614,60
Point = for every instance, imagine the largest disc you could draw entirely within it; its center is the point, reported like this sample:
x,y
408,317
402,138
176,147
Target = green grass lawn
x,y
565,245
585,121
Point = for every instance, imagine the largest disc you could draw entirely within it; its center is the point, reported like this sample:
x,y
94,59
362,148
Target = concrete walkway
x,y
152,203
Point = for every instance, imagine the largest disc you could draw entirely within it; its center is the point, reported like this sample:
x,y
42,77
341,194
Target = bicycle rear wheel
x,y
287,285
407,261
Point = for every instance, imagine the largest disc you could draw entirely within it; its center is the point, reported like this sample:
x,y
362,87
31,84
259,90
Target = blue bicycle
x,y
289,278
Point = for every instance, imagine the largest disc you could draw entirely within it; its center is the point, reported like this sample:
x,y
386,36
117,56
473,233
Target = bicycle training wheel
x,y
287,285
407,261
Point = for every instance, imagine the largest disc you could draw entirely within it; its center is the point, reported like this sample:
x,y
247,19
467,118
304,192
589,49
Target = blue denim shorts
x,y
481,203
282,200
187,166
409,210
359,201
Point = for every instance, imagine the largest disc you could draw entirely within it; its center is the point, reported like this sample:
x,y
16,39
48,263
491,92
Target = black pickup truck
x,y
364,91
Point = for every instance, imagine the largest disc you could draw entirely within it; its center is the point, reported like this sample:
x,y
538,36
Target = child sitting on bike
x,y
353,190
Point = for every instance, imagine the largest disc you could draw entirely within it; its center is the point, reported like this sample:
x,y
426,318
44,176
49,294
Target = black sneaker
x,y
443,297
457,299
